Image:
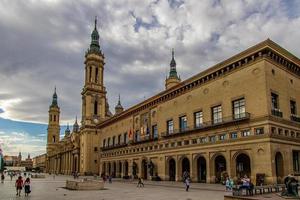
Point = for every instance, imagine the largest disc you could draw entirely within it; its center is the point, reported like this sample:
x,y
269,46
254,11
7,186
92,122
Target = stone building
x,y
39,163
238,117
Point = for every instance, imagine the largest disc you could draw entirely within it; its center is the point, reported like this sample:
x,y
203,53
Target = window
x,y
90,76
273,130
279,131
286,132
125,138
245,133
53,139
217,114
95,108
198,119
103,143
114,140
95,148
154,131
212,138
194,141
293,107
222,137
238,108
119,139
108,142
170,127
50,118
54,116
274,99
183,123
233,135
296,163
96,78
259,131
137,136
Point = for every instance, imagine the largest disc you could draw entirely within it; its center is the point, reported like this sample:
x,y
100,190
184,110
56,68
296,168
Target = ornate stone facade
x,y
238,117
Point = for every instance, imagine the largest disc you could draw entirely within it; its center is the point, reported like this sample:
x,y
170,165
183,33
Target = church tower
x,y
94,106
93,93
119,108
173,79
53,124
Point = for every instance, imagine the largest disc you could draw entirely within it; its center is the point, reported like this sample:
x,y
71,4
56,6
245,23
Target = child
x,y
187,184
19,185
27,186
140,183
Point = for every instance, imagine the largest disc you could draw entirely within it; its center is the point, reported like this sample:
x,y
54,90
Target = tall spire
x,y
75,126
94,46
54,98
173,72
119,108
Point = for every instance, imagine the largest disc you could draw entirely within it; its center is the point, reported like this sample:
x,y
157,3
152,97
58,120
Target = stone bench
x,y
84,184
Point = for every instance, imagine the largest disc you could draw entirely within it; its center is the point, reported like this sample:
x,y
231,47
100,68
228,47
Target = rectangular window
x,y
183,123
217,114
222,137
293,107
198,119
238,108
245,133
233,135
296,163
119,139
194,141
170,127
154,131
274,99
125,138
212,138
259,131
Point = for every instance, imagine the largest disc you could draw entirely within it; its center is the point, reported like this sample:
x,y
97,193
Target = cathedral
x,y
238,117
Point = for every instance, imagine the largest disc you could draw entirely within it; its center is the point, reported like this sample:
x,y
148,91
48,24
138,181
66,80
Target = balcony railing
x,y
276,112
113,147
295,118
209,124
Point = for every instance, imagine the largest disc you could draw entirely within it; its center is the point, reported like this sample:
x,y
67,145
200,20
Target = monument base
x,y
84,184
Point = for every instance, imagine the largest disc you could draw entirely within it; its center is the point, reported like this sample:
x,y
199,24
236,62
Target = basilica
x,y
238,117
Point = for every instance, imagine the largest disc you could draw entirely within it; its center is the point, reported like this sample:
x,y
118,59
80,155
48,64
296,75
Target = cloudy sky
x,y
43,45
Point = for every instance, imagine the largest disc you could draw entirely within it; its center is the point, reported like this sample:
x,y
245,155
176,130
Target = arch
x,y
243,165
144,169
126,168
220,167
279,168
114,170
134,170
120,169
185,168
172,169
201,169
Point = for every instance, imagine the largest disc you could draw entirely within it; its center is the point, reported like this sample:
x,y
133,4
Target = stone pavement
x,y
49,188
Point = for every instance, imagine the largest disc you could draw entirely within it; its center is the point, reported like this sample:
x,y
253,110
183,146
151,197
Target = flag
x,y
130,134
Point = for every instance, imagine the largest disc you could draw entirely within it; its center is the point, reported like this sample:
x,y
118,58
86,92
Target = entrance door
x,y
279,167
172,169
201,169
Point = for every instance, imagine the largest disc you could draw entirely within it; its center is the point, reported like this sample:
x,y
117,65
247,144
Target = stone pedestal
x,y
84,184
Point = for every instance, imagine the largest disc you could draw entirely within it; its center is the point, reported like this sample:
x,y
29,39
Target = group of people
x,y
20,185
244,183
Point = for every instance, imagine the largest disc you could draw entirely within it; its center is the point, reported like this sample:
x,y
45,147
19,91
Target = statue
x,y
291,185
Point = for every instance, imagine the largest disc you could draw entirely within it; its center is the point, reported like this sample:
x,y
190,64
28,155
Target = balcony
x,y
147,138
276,112
113,147
209,125
295,118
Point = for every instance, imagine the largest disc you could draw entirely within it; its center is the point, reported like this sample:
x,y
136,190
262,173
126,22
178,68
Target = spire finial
x,y
172,53
119,98
96,22
76,119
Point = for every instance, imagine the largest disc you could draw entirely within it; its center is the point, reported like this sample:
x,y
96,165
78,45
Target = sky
x,y
43,45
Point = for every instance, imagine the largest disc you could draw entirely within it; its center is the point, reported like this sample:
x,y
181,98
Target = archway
x,y
201,169
172,169
144,169
126,168
279,167
185,167
220,166
120,169
134,170
114,170
243,165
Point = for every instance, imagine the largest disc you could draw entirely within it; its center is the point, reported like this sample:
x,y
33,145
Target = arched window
x,y
90,76
96,76
53,137
96,108
54,118
103,145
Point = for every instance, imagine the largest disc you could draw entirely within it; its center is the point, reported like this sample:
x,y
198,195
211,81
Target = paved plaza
x,y
50,188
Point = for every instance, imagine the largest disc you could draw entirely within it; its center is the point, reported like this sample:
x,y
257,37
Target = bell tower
x,y
94,92
173,78
53,124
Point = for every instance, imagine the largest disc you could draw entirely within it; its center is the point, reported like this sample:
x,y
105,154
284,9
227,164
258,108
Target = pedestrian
x,y
19,185
140,183
228,184
2,178
11,176
110,179
27,186
187,184
53,176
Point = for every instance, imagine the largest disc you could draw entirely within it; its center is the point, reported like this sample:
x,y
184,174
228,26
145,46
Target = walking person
x,y
19,185
187,184
27,186
2,178
11,176
140,183
110,178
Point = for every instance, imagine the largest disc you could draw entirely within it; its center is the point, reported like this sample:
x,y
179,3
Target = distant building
x,y
10,160
16,161
39,163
